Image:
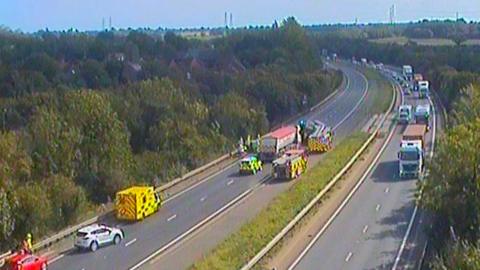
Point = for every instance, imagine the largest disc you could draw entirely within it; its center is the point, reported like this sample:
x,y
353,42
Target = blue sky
x,y
32,15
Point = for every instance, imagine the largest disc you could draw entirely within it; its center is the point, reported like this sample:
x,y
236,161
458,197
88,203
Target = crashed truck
x,y
317,136
274,144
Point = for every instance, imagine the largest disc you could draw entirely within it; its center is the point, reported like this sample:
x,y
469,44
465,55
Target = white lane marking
x,y
387,190
56,259
203,198
377,207
230,182
199,183
198,225
171,218
356,105
365,229
414,214
349,256
345,201
130,242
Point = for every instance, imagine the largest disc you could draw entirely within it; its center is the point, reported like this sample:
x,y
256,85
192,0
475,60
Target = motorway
x,y
371,230
183,212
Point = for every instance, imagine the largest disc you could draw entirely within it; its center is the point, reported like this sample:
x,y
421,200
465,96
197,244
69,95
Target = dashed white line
x,y
365,229
230,182
203,198
130,242
349,256
172,217
377,208
387,190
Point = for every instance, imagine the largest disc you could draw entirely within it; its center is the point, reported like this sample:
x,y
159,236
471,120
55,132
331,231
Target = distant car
x,y
96,235
24,261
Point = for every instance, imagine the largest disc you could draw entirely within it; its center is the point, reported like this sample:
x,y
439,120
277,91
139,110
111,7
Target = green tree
x,y
452,190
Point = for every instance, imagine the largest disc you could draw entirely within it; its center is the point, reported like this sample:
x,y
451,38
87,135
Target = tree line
x,y
456,30
84,115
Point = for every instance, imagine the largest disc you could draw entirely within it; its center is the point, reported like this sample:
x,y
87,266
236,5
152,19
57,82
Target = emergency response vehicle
x,y
291,165
137,202
250,165
317,135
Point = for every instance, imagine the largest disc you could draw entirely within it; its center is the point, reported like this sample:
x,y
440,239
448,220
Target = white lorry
x,y
423,89
411,155
408,72
422,115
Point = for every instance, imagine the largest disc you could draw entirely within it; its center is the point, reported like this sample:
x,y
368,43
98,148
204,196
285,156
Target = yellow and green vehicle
x,y
250,164
317,136
137,202
291,165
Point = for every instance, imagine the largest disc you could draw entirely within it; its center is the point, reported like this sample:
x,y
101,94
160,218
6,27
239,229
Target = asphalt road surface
x,y
187,209
369,232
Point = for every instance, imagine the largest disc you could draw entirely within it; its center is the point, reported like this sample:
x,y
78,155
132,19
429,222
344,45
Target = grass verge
x,y
239,247
383,95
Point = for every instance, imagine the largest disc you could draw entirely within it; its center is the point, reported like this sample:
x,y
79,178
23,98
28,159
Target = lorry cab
x,y
423,89
250,165
411,159
137,202
405,114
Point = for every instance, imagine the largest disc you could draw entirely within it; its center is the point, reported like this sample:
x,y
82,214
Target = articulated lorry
x,y
405,114
407,73
274,143
422,115
411,155
423,89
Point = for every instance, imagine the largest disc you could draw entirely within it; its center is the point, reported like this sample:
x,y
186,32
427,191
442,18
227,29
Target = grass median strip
x,y
239,247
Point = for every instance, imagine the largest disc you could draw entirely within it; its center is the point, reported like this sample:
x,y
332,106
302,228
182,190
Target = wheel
x,y
44,266
117,239
94,246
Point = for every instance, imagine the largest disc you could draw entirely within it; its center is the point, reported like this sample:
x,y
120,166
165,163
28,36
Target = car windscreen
x,y
409,155
81,234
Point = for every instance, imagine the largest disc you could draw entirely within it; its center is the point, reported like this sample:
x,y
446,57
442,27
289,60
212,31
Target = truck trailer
x,y
273,144
422,115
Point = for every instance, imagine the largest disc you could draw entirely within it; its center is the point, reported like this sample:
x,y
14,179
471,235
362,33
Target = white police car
x,y
96,235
